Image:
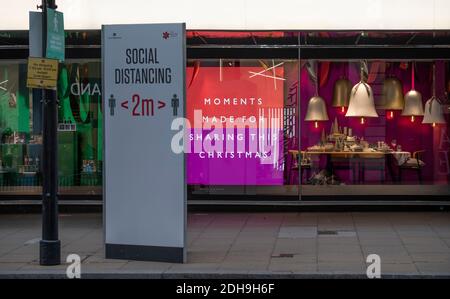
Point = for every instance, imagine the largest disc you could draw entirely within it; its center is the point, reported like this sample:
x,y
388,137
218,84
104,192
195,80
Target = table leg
x,y
329,165
390,162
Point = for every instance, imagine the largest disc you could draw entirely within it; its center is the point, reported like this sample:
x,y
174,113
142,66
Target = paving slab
x,y
399,269
433,268
293,267
342,267
292,232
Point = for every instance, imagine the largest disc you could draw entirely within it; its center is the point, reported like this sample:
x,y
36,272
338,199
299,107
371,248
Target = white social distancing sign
x,y
144,180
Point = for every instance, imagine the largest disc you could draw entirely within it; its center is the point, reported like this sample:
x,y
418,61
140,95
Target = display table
x,y
390,157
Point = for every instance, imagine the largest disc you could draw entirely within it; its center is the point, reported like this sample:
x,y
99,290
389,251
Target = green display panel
x,y
80,151
12,156
67,158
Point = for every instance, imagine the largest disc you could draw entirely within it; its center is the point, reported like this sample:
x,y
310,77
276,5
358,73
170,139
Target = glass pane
x,y
371,138
79,129
21,132
243,125
80,142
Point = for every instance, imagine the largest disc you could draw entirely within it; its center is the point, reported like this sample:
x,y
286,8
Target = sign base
x,y
145,253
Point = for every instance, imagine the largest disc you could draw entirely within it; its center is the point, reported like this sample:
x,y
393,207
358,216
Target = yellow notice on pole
x,y
42,73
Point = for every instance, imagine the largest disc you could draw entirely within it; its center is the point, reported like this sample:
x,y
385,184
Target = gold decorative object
x,y
413,100
317,110
341,93
335,131
393,94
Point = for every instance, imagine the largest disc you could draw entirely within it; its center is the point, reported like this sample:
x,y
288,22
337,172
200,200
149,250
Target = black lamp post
x,y
50,245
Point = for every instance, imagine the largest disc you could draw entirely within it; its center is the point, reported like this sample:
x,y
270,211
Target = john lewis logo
x,y
167,34
114,35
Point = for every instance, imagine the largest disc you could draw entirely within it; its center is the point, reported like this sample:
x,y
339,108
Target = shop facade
x,y
275,115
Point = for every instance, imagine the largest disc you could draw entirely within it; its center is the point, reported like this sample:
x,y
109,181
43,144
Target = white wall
x,y
243,14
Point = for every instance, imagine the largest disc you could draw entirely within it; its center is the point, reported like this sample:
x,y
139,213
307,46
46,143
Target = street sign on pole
x,y
55,35
144,188
42,73
35,34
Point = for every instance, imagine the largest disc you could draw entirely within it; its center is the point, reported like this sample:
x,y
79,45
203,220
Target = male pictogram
x,y
112,105
55,23
175,104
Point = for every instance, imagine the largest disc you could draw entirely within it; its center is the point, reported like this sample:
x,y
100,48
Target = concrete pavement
x,y
277,245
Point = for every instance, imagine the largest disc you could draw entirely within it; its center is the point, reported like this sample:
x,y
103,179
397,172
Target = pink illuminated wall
x,y
412,136
230,143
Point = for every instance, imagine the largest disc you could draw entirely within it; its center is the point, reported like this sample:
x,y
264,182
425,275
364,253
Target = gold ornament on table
x,y
335,131
323,138
339,144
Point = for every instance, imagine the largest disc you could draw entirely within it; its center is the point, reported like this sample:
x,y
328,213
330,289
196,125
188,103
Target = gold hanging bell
x,y
341,93
317,110
393,94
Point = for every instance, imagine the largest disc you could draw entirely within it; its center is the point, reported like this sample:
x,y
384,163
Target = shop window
x,y
79,130
21,138
387,135
242,115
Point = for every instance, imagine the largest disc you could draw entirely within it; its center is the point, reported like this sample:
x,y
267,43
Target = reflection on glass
x,y
21,139
79,129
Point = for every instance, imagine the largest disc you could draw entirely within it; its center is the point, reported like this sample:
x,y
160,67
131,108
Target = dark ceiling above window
x,y
267,44
320,38
261,38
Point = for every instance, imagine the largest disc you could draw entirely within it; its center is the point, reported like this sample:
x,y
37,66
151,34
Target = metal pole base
x,y
50,253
